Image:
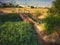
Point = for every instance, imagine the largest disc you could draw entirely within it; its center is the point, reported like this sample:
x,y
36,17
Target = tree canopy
x,y
56,6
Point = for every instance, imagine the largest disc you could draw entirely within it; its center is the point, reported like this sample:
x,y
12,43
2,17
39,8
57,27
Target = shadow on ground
x,y
9,17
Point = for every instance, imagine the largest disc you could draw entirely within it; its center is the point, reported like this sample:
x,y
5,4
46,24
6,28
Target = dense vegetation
x,y
32,17
56,6
9,5
55,9
14,31
53,20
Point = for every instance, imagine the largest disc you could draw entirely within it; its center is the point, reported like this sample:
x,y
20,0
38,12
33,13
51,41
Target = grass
x,y
14,31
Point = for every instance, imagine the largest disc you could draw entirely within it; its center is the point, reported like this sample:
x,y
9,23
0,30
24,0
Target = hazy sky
x,y
40,3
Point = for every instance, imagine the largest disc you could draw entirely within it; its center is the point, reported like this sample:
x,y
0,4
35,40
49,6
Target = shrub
x,y
13,31
17,33
38,13
35,19
51,22
32,6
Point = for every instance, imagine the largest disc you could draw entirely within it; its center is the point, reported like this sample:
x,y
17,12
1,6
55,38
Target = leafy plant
x,y
34,18
13,31
38,13
55,7
32,6
51,22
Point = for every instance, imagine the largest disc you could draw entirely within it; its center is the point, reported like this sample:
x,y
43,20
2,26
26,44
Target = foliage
x,y
17,6
51,22
10,5
32,6
56,6
14,31
38,13
34,18
4,5
1,6
9,17
48,12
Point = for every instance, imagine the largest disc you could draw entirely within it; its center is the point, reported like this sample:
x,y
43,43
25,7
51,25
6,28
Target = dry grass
x,y
43,11
32,10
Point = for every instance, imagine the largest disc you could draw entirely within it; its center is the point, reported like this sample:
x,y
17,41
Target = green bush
x,y
34,18
32,7
38,13
9,17
51,22
13,31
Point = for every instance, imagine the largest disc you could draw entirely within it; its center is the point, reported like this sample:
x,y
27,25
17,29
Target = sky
x,y
39,3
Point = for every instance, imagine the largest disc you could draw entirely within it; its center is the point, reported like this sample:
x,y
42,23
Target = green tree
x,y
52,21
32,6
4,4
1,5
56,6
10,5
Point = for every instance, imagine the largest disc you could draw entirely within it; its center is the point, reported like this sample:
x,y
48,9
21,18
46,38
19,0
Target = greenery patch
x,y
14,31
51,22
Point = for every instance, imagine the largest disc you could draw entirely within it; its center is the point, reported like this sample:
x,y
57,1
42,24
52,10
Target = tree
x,y
10,5
56,6
4,4
1,4
32,6
52,21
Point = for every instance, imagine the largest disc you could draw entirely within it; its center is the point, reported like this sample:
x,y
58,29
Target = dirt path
x,y
26,18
